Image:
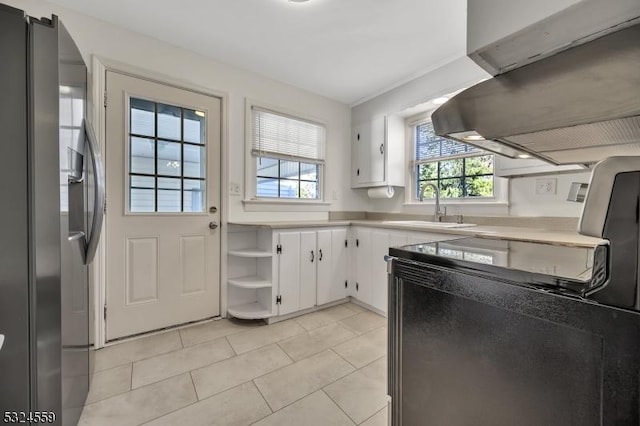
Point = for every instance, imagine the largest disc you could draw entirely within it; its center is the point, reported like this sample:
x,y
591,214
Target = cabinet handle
x,y
312,256
381,148
320,258
358,172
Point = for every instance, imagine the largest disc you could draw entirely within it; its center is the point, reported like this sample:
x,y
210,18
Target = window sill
x,y
496,203
262,205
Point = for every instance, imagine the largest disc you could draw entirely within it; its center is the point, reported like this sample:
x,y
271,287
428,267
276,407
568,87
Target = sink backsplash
x,y
569,224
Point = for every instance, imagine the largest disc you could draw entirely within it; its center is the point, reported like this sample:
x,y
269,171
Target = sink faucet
x,y
437,216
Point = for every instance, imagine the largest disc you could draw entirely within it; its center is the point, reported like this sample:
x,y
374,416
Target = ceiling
x,y
347,50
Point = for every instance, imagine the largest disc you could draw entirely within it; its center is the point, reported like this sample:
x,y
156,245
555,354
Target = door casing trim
x,y
97,270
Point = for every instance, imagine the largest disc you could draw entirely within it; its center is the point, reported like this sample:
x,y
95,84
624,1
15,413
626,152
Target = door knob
x,y
213,225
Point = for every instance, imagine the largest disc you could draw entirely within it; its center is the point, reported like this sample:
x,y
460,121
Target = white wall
x,y
444,78
522,200
95,37
525,202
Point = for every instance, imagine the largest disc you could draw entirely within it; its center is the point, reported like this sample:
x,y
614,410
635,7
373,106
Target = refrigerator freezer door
x,y
45,216
14,213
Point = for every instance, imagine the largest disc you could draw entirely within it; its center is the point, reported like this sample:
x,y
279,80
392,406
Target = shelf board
x,y
251,252
250,282
249,311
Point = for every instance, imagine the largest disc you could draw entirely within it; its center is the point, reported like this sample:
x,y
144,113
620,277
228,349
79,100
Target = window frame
x,y
500,187
127,160
251,199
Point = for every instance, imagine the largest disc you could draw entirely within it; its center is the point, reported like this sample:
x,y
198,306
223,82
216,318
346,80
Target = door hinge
x,y
357,287
346,243
357,242
104,312
346,284
278,300
105,98
279,249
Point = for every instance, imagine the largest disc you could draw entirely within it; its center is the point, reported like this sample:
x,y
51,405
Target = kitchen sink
x,y
427,223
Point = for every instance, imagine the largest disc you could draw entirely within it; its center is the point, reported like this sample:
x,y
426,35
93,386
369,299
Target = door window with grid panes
x,y
167,158
458,170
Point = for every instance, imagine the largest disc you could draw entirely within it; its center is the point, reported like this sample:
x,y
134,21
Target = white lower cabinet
x,y
287,269
369,274
332,279
363,260
283,271
311,268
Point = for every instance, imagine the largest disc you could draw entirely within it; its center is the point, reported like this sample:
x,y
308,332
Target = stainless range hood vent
x,y
576,107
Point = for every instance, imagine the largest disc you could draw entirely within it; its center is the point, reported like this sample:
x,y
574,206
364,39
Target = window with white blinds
x,y
281,136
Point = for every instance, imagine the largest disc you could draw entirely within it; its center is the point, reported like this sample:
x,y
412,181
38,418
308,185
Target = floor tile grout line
x,y
186,371
343,358
303,331
373,415
313,391
274,342
177,409
232,331
293,361
338,405
231,346
375,360
133,390
181,341
131,378
262,395
195,389
103,399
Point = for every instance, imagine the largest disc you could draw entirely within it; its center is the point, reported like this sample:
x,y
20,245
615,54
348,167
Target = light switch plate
x,y
546,186
234,188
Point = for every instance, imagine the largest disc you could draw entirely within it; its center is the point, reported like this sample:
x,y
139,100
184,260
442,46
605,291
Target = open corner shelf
x,y
249,311
250,252
250,282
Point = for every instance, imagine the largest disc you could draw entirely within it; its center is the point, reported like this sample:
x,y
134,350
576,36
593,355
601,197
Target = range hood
x,y
578,106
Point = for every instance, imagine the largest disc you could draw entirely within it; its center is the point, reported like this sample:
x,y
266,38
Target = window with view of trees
x,y
458,170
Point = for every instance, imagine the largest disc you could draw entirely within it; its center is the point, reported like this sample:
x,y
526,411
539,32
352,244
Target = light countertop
x,y
535,235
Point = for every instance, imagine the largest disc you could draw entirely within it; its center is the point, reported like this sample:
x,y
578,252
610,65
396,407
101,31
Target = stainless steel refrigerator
x,y
51,207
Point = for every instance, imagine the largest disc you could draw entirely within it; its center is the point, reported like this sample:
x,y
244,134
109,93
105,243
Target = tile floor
x,y
325,368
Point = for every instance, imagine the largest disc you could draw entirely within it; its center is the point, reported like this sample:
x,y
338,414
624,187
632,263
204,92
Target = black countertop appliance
x,y
492,332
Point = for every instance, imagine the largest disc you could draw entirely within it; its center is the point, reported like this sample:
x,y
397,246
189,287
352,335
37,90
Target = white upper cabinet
x,y
377,152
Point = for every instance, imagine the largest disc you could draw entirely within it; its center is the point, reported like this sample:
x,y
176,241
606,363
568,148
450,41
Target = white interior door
x,y
163,193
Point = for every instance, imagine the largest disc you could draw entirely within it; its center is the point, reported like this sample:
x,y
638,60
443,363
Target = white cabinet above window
x,y
377,152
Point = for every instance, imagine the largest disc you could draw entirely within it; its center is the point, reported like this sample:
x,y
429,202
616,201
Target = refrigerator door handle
x,y
98,208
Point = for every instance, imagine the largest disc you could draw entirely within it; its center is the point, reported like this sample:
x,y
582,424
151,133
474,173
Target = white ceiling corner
x,y
347,50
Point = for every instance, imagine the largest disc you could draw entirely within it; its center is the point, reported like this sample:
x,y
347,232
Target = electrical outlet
x,y
334,195
546,186
234,188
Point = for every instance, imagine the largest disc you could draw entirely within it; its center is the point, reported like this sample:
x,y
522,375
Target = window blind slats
x,y
430,146
285,137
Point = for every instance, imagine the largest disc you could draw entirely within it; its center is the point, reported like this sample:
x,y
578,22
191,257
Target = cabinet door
x,y
377,147
363,265
339,262
332,266
289,272
361,153
379,248
308,261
